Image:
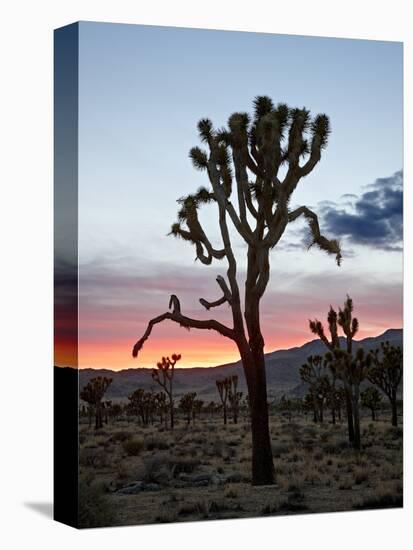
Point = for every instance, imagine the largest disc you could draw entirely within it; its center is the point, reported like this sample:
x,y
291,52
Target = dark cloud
x,y
376,218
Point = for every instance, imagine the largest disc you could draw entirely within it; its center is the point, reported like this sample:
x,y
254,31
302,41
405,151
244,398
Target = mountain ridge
x,y
282,367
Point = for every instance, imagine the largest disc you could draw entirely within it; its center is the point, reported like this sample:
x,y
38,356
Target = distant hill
x,y
282,368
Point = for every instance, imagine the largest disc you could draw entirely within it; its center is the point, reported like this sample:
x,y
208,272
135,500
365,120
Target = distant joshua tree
x,y
142,404
224,387
351,368
268,154
350,328
371,399
386,372
116,411
314,374
93,394
197,408
286,407
164,376
234,397
186,404
161,405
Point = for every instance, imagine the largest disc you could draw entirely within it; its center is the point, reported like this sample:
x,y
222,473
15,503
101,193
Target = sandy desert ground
x,y
134,474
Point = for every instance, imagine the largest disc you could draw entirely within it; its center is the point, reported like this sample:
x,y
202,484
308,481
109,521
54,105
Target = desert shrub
x,y
269,510
153,443
133,446
324,437
292,506
335,447
308,444
279,449
394,433
120,437
165,517
204,509
360,475
95,509
184,466
318,456
345,484
93,457
165,465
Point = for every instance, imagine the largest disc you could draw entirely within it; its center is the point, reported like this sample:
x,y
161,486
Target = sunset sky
x,y
141,92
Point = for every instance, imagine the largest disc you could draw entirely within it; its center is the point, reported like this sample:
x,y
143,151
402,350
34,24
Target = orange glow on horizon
x,y
197,350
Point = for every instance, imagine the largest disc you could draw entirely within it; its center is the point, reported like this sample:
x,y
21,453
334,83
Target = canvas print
x,y
228,274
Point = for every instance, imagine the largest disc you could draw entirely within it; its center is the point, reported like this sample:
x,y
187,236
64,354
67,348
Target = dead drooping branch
x,y
176,316
330,246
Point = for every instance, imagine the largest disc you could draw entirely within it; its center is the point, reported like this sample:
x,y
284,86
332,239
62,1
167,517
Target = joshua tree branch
x,y
243,229
329,246
187,322
209,305
227,296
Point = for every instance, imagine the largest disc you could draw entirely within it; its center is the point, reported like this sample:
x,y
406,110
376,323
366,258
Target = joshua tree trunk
x,y
262,463
393,402
349,411
356,417
98,419
171,412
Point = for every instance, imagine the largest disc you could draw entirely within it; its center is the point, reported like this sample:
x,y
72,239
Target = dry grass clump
x,y
375,502
133,446
279,449
156,443
95,509
92,457
120,436
360,475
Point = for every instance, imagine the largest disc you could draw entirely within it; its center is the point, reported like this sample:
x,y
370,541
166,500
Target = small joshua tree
x,y
93,394
285,407
161,405
234,397
386,373
253,167
186,404
371,399
350,326
353,370
136,405
116,411
224,387
164,376
197,408
106,406
315,375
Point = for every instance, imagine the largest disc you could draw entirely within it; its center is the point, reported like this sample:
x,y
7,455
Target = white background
x,y
26,163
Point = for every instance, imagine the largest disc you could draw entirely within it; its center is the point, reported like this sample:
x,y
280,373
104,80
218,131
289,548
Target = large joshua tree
x,y
259,162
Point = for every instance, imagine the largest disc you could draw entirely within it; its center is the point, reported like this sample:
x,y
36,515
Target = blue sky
x,y
142,90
